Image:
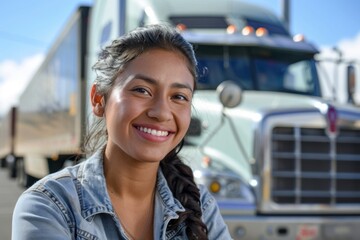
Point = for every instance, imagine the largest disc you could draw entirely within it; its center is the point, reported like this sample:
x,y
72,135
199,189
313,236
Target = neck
x,y
128,178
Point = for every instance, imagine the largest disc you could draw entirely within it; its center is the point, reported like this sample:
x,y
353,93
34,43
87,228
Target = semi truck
x,y
281,161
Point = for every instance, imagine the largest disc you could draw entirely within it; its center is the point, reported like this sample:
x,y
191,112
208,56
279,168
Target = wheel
x,y
3,163
22,177
10,163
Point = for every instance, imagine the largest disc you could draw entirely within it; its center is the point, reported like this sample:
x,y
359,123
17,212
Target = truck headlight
x,y
225,186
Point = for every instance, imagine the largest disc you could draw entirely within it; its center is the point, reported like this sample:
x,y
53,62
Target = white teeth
x,y
154,132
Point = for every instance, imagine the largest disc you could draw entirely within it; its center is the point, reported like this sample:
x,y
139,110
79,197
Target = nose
x,y
160,110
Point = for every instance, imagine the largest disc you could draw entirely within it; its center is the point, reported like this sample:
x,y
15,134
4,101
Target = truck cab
x,y
281,160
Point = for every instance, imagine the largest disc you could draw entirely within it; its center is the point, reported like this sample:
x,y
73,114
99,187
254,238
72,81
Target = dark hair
x,y
112,61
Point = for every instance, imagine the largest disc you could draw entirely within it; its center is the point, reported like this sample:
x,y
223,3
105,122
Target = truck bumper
x,y
293,227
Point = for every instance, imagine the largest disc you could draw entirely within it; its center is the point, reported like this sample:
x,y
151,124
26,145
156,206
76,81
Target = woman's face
x,y
149,109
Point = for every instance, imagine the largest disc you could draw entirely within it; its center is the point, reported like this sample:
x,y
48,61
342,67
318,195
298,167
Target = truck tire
x,y
24,180
3,163
10,162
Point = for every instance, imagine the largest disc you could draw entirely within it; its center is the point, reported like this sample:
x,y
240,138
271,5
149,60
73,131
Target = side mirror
x,y
230,94
351,82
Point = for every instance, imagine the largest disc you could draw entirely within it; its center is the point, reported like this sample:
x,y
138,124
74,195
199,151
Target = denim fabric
x,y
74,204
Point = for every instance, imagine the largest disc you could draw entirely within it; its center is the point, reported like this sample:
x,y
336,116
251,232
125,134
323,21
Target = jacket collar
x,y
91,187
94,198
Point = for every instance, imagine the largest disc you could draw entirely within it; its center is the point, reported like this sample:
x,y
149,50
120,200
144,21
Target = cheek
x,y
184,118
125,111
117,111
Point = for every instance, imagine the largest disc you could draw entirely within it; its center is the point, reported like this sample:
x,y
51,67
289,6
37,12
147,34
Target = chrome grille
x,y
309,167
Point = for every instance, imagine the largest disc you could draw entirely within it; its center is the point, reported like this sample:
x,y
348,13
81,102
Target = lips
x,y
153,132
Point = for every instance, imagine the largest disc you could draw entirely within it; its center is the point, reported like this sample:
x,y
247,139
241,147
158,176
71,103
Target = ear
x,y
97,102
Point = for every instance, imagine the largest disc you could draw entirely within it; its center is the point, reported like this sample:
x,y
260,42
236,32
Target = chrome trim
x,y
287,162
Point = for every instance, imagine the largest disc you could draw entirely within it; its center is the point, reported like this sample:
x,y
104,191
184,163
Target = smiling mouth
x,y
154,132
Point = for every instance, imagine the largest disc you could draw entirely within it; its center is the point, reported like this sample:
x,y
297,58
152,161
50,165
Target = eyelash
x,y
183,97
143,90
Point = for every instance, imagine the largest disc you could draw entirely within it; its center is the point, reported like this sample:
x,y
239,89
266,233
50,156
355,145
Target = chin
x,y
151,159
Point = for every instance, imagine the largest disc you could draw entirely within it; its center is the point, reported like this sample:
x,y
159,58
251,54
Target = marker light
x,y
181,27
299,38
55,157
231,29
261,31
224,185
214,187
247,30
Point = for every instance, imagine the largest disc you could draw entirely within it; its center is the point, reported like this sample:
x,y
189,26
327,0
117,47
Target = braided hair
x,y
112,61
180,179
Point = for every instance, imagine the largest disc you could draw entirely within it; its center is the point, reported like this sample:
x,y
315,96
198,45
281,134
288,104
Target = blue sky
x,y
29,27
323,22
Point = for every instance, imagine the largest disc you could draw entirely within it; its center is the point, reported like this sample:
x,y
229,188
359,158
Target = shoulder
x,y
54,190
68,199
69,180
61,182
212,216
57,189
46,201
206,199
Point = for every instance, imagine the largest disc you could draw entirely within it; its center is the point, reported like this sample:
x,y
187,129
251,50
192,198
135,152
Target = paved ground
x,y
10,191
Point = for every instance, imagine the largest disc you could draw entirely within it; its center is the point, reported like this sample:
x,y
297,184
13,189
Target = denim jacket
x,y
74,204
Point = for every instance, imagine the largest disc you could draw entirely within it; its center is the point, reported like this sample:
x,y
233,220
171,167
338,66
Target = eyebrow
x,y
154,82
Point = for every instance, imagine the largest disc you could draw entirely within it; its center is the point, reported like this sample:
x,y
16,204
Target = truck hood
x,y
262,102
233,147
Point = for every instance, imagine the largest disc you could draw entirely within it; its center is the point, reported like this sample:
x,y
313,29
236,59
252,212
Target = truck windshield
x,y
257,69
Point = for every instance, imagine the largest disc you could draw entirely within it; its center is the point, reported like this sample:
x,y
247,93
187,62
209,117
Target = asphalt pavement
x,y
10,192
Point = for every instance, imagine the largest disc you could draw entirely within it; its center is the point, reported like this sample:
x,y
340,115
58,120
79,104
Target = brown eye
x,y
181,97
141,90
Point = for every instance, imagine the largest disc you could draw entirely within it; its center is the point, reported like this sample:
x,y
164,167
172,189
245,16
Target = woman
x,y
134,186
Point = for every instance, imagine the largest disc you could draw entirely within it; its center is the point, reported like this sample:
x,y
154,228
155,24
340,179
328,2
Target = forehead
x,y
159,64
164,53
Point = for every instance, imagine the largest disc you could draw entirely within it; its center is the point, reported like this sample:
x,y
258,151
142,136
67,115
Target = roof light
x,y
299,38
181,27
247,30
261,31
231,29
